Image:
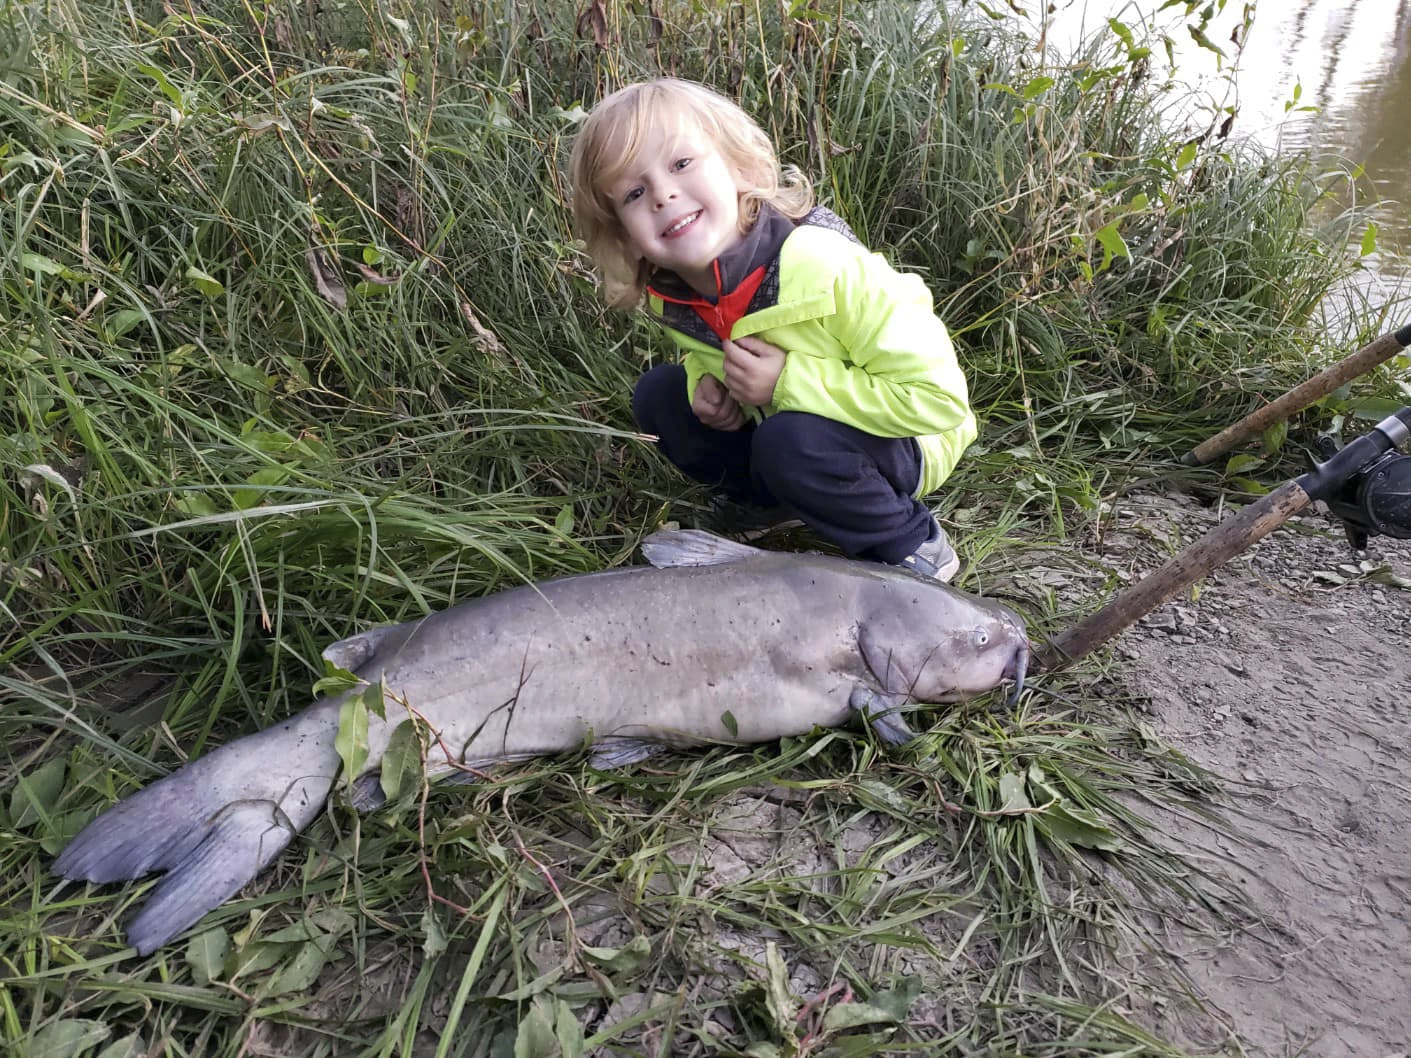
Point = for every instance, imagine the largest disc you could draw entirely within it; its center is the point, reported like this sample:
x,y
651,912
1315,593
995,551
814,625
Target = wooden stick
x,y
1298,398
1219,545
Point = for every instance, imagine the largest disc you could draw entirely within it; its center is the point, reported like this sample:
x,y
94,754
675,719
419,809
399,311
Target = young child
x,y
814,378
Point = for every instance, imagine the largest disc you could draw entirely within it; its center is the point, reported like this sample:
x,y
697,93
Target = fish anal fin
x,y
617,752
693,547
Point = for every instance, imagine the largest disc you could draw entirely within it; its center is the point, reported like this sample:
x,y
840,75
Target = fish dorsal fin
x,y
693,547
356,651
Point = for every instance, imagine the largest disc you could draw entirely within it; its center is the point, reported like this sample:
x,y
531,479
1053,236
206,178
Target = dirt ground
x,y
1289,674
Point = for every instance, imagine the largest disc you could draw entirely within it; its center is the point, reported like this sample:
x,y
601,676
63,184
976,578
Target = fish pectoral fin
x,y
882,713
365,793
618,752
693,547
356,651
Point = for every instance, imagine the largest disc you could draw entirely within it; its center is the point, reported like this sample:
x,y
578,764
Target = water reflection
x,y
1349,59
1350,56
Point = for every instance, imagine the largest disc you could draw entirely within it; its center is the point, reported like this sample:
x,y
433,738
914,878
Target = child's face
x,y
679,202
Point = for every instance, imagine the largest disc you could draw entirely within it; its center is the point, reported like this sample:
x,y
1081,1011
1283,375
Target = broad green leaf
x,y
245,498
36,794
1275,436
536,1037
334,681
37,262
402,762
1068,823
67,1039
195,504
568,1031
433,935
119,323
852,1015
351,740
1188,154
256,958
621,960
302,971
898,1000
270,442
1369,241
1123,33
130,1046
205,954
532,988
1013,796
1113,245
246,375
885,793
168,89
1242,463
1251,486
1037,86
206,283
731,724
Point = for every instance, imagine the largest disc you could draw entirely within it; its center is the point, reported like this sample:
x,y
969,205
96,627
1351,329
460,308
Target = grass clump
x,y
298,341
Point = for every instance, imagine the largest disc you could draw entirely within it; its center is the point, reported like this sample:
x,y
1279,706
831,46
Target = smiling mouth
x,y
681,225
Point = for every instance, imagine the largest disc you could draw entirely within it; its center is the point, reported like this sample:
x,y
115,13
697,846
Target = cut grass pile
x,y
298,342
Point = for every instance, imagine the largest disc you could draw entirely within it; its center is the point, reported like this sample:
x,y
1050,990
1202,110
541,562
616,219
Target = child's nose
x,y
664,195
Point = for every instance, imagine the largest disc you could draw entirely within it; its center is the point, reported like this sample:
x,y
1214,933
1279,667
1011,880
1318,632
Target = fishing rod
x,y
1366,484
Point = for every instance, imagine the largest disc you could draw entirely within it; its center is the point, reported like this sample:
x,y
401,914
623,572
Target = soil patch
x,y
1289,675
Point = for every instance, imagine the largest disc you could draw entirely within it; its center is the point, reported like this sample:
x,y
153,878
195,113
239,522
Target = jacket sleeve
x,y
897,375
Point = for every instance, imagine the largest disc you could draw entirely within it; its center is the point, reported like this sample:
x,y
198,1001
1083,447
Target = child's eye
x,y
632,195
681,163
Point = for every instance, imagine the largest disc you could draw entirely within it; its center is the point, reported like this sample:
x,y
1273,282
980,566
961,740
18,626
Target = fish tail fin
x,y
210,825
233,848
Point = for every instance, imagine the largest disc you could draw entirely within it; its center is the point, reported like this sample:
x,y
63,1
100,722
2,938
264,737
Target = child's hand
x,y
714,406
752,369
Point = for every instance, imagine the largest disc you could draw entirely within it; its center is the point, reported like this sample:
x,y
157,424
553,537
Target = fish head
x,y
944,645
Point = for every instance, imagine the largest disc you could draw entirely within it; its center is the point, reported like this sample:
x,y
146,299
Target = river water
x,y
1332,77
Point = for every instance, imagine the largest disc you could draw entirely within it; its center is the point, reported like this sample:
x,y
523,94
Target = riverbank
x,y
304,345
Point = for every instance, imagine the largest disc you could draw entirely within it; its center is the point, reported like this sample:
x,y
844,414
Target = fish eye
x,y
981,637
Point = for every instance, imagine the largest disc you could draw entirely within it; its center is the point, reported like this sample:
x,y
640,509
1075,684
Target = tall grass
x,y
297,340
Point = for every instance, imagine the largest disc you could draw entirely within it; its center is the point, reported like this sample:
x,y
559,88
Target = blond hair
x,y
608,145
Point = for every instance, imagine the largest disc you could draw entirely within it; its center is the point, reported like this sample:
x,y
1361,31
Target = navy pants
x,y
850,487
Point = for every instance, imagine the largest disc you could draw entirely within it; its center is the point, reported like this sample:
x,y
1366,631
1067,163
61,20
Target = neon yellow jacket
x,y
864,344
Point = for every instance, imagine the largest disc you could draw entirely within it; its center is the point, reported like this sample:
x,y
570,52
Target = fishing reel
x,y
1367,483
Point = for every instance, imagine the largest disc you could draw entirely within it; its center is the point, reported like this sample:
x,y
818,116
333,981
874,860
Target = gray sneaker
x,y
745,522
935,557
